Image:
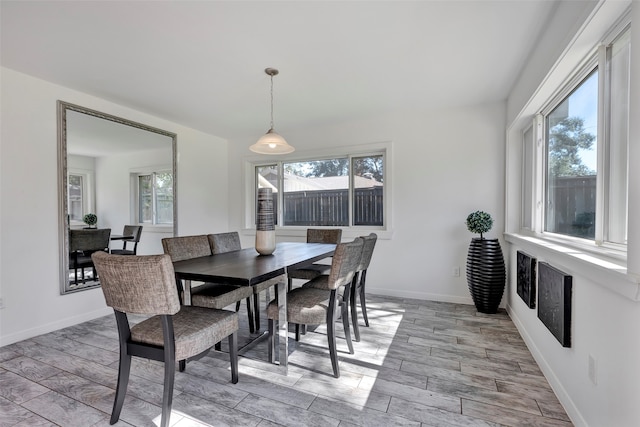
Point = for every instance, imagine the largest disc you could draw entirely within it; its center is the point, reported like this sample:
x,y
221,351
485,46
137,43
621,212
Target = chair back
x,y
367,251
186,247
141,284
324,235
346,259
224,242
133,230
136,232
89,239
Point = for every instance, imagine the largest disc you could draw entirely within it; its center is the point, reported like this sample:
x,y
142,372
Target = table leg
x,y
282,348
186,299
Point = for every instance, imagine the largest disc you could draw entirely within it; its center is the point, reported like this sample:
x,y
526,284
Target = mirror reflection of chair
x,y
83,243
211,295
228,242
317,301
135,231
315,235
145,285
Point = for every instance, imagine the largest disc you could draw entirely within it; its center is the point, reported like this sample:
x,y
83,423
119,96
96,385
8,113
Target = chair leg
x,y
167,394
345,325
331,337
237,306
354,310
256,308
121,389
233,356
252,328
289,284
271,325
363,303
182,365
331,334
297,331
218,346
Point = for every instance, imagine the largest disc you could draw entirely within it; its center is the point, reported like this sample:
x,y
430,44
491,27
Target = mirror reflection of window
x,y
155,198
76,197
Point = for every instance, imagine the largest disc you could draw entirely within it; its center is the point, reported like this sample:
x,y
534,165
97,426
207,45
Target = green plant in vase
x,y
486,271
479,222
90,219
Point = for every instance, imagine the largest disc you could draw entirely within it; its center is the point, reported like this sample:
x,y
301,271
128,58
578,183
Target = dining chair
x,y
145,285
229,242
211,295
359,280
319,303
315,235
83,243
129,230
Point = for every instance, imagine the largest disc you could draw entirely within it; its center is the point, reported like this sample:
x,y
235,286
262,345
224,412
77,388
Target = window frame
x,y
598,58
88,194
250,177
135,196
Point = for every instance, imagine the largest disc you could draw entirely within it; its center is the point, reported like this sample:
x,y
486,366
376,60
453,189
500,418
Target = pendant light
x,y
271,142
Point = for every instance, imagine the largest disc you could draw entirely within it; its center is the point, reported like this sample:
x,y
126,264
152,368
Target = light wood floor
x,y
421,363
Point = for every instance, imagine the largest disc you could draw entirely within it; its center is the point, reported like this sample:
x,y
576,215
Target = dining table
x,y
246,268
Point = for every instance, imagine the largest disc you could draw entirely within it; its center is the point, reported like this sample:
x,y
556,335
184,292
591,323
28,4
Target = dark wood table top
x,y
247,267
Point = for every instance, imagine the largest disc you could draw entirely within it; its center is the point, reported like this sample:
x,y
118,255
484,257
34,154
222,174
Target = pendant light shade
x,y
271,142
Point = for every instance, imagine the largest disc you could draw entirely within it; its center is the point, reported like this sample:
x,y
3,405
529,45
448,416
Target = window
x,y
571,158
585,133
155,198
76,194
340,191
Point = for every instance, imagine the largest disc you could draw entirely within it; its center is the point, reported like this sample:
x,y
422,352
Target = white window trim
x,y
133,200
386,148
606,264
89,194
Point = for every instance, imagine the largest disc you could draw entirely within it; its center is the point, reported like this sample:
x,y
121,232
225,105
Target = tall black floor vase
x,y
486,274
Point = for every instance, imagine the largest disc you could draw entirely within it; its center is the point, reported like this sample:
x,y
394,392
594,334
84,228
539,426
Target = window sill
x,y
606,271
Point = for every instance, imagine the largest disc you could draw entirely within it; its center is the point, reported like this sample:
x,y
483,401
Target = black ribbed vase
x,y
486,274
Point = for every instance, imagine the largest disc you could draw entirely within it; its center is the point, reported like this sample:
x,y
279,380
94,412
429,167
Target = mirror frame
x,y
63,231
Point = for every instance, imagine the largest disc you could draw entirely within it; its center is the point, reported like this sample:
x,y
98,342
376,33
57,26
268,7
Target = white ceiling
x,y
200,63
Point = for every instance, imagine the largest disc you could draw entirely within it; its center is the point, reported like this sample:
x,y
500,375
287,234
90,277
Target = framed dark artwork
x,y
526,278
554,302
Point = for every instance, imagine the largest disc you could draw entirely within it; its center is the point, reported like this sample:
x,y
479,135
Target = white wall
x,y
605,302
29,268
446,164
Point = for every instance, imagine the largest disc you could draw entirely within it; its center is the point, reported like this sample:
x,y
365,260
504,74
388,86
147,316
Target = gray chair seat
x,y
219,295
306,306
196,329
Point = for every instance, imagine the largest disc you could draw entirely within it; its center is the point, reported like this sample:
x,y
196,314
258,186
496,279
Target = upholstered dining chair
x,y
83,243
229,242
211,295
129,230
359,280
319,303
315,235
145,285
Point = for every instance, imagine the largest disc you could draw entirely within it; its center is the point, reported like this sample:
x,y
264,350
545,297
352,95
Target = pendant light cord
x,y
271,101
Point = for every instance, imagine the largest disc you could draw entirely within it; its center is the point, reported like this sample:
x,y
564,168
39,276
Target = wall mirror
x,y
121,171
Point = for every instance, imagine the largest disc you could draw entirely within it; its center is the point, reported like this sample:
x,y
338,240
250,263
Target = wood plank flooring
x,y
421,363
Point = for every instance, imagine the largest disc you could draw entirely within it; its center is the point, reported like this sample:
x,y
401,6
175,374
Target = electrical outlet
x,y
455,271
593,370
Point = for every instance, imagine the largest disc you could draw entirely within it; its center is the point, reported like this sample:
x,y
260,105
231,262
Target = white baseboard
x,y
53,326
564,397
